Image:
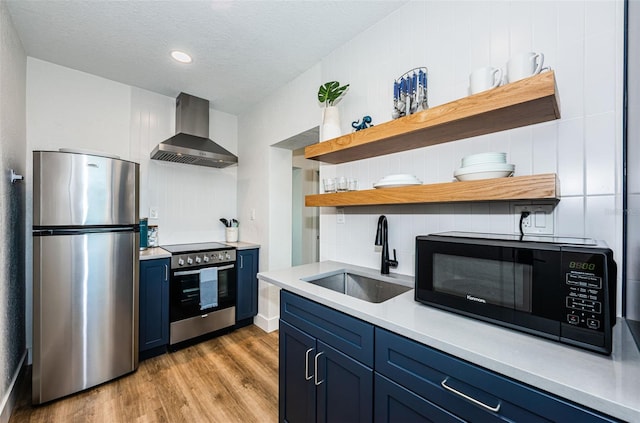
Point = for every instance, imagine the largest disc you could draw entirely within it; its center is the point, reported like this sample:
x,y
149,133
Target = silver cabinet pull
x,y
166,272
468,398
241,263
316,369
306,365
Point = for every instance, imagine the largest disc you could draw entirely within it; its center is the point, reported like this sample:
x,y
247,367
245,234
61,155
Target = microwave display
x,y
505,284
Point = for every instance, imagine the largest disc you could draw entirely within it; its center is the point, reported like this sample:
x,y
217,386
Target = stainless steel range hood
x,y
191,144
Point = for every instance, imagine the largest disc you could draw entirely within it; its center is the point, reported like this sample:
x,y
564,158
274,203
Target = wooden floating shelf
x,y
534,187
521,103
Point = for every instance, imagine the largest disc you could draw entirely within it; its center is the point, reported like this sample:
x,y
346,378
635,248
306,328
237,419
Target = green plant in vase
x,y
329,94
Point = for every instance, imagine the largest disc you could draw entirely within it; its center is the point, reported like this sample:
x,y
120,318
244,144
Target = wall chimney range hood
x,y
191,144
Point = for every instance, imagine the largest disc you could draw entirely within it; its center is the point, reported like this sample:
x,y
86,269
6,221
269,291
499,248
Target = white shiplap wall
x,y
582,43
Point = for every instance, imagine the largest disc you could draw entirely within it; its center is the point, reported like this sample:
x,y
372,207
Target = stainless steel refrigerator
x,y
85,271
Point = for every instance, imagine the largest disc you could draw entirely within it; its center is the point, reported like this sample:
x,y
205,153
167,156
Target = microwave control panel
x,y
584,291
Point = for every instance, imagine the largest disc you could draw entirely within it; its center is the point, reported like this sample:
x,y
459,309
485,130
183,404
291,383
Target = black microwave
x,y
559,288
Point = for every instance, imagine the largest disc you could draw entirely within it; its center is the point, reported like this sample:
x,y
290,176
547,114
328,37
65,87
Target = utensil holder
x,y
231,234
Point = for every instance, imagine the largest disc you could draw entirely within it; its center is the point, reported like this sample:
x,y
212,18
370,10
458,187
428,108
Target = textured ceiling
x,y
242,50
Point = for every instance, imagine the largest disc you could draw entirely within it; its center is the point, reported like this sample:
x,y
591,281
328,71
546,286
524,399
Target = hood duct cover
x,y
191,144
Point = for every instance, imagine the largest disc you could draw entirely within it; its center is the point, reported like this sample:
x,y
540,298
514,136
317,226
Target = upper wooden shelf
x,y
525,102
533,187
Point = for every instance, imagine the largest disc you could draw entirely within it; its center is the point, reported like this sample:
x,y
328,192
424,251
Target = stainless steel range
x,y
202,293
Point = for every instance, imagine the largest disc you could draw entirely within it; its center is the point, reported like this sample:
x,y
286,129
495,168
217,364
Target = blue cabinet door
x,y
247,265
154,304
345,388
297,394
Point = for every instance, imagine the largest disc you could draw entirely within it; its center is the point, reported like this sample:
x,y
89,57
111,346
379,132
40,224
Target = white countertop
x,y
610,384
240,245
154,253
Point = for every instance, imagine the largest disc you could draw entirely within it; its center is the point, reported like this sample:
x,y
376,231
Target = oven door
x,y
186,299
515,285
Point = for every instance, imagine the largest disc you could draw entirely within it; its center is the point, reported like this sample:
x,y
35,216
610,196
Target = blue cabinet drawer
x,y
348,334
470,392
393,403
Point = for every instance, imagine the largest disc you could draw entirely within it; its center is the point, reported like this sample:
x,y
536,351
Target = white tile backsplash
x,y
571,156
600,72
569,217
600,163
545,148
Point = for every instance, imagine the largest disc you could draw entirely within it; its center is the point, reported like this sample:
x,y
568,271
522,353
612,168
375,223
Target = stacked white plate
x,y
484,166
393,181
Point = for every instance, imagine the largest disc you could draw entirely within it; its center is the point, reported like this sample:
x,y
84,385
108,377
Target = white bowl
x,y
484,171
475,176
485,167
484,158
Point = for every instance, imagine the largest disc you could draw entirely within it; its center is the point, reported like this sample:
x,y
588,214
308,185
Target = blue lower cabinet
x,y
337,368
247,294
393,403
297,391
319,381
153,332
467,391
345,387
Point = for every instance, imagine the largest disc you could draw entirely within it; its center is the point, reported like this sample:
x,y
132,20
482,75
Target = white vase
x,y
231,234
330,123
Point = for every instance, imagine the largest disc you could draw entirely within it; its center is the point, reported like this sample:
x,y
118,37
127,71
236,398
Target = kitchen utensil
x,y
225,222
234,223
410,92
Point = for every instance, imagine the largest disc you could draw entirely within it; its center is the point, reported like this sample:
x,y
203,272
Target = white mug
x,y
524,65
484,79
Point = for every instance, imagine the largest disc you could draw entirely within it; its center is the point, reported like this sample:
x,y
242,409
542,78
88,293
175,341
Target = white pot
x,y
330,123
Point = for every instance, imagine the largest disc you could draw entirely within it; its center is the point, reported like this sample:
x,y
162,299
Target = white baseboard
x,y
11,397
266,324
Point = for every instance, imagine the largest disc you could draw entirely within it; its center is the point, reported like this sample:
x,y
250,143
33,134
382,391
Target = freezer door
x,y
85,325
71,189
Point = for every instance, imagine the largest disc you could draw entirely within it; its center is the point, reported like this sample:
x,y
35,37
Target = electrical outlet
x,y
539,221
153,213
340,215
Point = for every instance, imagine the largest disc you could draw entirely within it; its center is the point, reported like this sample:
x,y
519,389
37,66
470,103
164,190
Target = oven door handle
x,y
186,272
193,272
231,266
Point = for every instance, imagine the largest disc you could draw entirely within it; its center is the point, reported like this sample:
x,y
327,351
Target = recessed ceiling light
x,y
181,56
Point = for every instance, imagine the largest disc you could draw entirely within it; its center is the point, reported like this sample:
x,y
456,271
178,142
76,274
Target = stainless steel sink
x,y
359,286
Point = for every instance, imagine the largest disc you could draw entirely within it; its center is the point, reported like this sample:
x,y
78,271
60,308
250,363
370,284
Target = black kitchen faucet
x,y
382,238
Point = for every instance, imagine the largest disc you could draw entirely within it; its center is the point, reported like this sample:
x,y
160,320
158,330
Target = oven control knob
x,y
189,260
180,262
205,259
198,259
228,256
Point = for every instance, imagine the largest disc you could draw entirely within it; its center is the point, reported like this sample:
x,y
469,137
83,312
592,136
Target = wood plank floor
x,y
231,378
